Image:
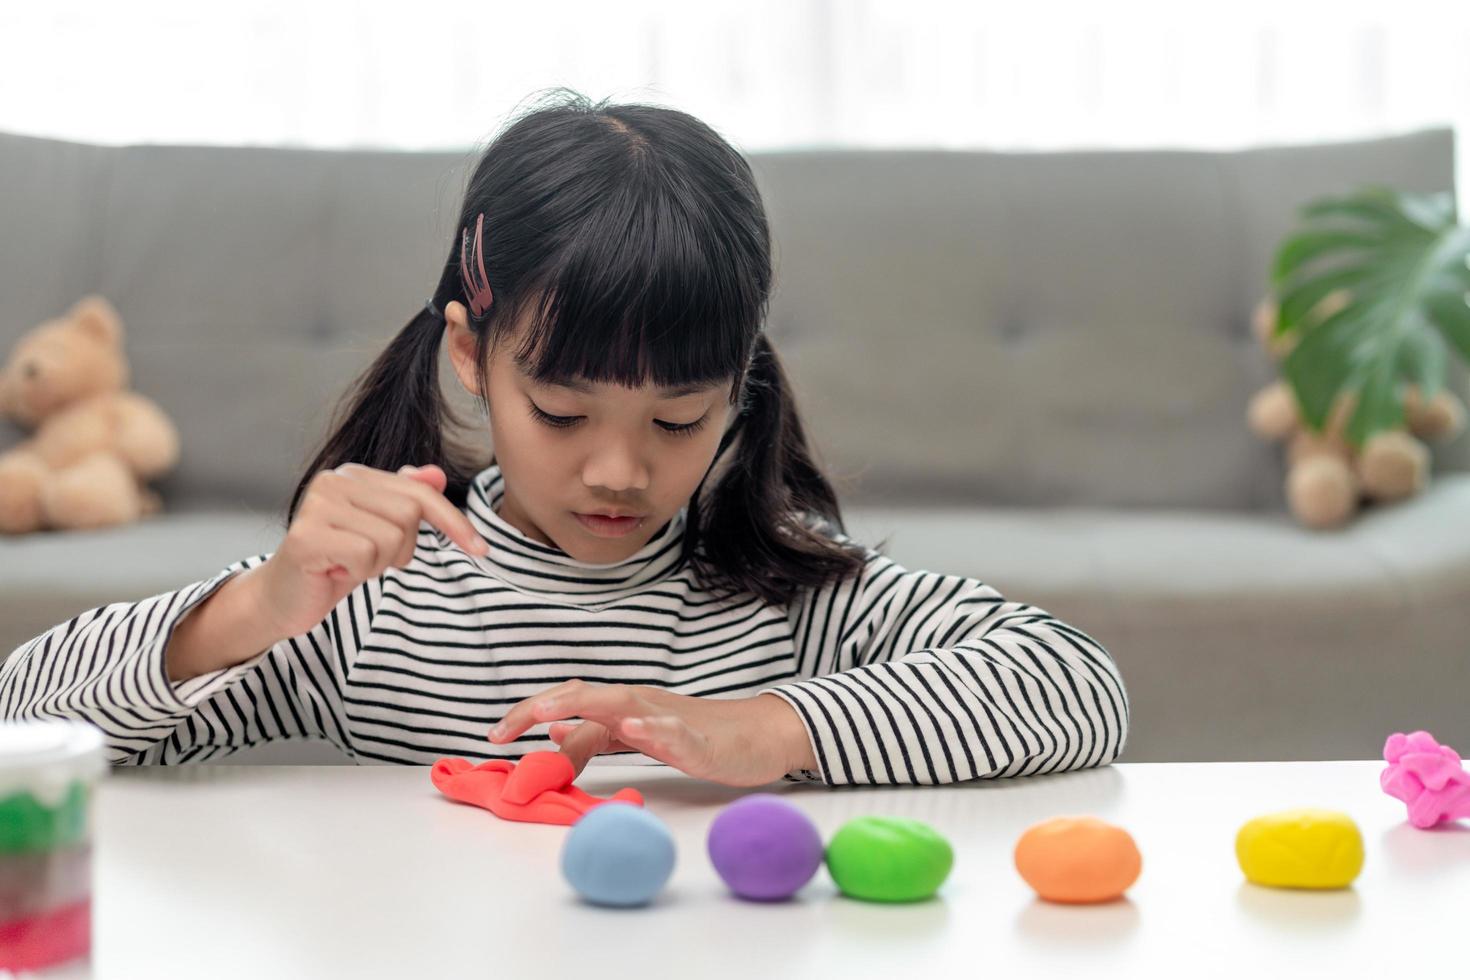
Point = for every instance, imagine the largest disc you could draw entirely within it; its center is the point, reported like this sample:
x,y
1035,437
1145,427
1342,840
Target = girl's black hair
x,y
632,242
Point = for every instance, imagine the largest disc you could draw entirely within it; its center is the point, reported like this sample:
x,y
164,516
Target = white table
x,y
332,871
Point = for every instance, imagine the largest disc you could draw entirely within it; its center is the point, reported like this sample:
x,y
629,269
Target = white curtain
x,y
766,73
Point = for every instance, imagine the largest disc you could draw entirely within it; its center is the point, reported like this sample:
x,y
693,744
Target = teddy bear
x,y
1327,479
93,444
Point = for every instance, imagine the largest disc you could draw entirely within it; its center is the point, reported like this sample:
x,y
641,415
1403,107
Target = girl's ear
x,y
461,344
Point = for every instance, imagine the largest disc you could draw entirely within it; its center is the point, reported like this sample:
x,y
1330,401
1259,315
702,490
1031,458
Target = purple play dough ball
x,y
764,847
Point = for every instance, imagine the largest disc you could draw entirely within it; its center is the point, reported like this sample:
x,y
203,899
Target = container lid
x,y
46,756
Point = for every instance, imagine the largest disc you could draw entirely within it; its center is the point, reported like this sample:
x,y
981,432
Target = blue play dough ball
x,y
618,854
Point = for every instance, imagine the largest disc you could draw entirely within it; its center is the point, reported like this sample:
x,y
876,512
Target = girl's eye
x,y
555,421
567,421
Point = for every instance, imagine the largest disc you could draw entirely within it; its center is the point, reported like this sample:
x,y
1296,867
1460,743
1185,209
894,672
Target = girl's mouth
x,y
608,527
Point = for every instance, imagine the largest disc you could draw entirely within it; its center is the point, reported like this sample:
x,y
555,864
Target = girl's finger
x,y
516,719
431,475
395,508
663,737
583,742
387,538
341,514
327,547
604,703
561,729
434,507
397,512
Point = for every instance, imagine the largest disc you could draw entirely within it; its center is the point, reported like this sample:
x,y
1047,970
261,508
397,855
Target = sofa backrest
x,y
1051,328
959,326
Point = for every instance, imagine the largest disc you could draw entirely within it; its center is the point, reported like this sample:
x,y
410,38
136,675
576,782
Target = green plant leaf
x,y
1422,360
1315,244
1435,212
1451,313
1300,299
1378,407
1375,206
1324,362
1405,270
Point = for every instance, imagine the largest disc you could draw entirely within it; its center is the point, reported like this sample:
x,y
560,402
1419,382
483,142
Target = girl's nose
x,y
616,470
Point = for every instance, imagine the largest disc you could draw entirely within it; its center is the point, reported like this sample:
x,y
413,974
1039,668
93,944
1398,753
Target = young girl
x,y
603,300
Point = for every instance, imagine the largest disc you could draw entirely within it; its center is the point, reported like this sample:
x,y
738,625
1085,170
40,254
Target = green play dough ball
x,y
888,859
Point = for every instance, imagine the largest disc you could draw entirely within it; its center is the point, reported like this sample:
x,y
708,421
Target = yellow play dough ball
x,y
1304,848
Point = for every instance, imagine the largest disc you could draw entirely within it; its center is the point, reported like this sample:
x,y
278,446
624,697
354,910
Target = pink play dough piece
x,y
1427,776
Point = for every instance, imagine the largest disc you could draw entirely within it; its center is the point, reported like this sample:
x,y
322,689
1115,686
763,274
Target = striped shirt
x,y
900,677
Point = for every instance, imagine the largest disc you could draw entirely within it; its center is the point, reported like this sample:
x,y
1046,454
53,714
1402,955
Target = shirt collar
x,y
532,566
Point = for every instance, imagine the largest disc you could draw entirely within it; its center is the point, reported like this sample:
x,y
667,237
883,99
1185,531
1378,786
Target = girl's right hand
x,y
353,522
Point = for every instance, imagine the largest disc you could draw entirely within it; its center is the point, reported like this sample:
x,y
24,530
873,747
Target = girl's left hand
x,y
736,741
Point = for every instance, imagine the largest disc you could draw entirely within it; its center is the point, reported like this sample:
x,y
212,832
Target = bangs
x,y
644,293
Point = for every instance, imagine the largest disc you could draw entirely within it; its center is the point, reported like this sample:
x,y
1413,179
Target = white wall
x,y
766,73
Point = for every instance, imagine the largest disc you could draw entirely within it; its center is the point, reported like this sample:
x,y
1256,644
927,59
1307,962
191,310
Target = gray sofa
x,y
1028,368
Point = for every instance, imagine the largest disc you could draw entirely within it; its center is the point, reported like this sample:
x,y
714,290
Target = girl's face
x,y
606,449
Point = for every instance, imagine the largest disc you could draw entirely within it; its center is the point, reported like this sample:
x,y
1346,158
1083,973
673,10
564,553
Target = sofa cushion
x,y
49,577
1239,636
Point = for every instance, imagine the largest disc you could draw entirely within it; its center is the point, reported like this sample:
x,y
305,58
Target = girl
x,y
602,300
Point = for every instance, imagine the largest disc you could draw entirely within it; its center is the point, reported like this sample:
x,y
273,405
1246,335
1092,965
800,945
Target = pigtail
x,y
764,525
394,415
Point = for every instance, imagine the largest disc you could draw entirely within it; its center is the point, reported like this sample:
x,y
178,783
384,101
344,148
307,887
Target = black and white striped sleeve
x,y
107,666
919,678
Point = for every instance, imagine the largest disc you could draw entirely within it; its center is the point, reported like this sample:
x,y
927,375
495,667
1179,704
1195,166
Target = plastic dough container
x,y
49,771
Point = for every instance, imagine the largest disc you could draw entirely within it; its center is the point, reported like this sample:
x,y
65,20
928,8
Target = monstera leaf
x,y
1396,264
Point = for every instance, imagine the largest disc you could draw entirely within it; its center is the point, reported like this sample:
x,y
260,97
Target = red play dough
x,y
538,790
536,773
51,938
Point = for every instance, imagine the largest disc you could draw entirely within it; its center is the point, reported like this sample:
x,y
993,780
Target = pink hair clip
x,y
478,292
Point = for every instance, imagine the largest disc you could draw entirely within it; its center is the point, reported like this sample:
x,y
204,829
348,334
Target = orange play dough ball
x,y
1078,859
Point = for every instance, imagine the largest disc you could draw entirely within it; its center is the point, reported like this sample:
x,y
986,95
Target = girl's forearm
x,y
224,630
